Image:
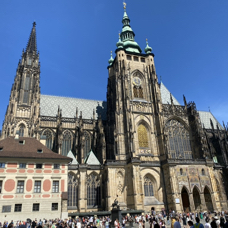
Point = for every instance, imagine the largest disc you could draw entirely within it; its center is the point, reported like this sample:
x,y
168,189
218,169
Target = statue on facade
x,y
115,204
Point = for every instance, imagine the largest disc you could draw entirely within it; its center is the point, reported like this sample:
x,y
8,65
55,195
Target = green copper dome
x,y
119,44
127,36
110,61
148,49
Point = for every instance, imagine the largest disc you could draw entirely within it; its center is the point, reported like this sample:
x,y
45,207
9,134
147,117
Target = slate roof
x,y
165,95
49,107
205,120
11,148
91,159
70,155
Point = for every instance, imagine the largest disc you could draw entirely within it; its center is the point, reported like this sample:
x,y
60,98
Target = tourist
x,y
198,224
207,224
116,223
177,223
190,224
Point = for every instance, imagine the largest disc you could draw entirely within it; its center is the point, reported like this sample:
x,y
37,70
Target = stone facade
x,y
151,153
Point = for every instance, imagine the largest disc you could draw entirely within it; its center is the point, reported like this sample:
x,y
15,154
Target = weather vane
x,y
124,4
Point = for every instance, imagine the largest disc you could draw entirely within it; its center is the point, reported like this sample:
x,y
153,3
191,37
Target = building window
x,y
48,135
72,191
87,146
21,130
54,206
138,91
37,186
178,142
55,186
29,61
6,208
26,90
36,207
203,172
20,186
0,186
136,59
143,60
148,187
17,207
143,136
93,191
181,171
56,166
2,165
39,166
128,57
66,143
22,165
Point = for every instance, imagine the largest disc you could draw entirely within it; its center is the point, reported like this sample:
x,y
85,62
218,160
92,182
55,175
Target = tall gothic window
x,y
138,92
178,142
72,191
143,136
87,146
48,139
26,89
66,147
21,130
93,191
148,187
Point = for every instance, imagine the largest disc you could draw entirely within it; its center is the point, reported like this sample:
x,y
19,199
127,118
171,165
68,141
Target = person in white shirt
x,y
207,224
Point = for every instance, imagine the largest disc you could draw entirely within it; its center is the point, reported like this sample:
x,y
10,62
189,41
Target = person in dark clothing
x,y
213,223
33,224
184,220
222,222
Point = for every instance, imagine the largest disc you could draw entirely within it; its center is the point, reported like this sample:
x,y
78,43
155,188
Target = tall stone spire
x,y
127,35
23,110
31,46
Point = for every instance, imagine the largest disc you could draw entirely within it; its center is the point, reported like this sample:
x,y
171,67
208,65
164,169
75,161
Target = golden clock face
x,y
137,81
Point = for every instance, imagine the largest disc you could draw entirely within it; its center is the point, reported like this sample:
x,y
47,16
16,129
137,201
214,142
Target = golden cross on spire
x,y
124,4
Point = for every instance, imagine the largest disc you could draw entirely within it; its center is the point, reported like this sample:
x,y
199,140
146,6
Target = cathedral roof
x,y
49,107
165,95
205,118
91,159
70,155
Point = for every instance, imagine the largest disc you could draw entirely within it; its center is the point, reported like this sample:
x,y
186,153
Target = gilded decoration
x,y
143,136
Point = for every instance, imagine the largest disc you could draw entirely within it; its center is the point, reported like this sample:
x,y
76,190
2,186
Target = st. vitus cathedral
x,y
139,146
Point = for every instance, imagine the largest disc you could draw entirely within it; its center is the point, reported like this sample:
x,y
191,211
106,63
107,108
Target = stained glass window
x,y
66,147
93,191
87,146
143,136
48,135
148,187
178,143
72,191
21,130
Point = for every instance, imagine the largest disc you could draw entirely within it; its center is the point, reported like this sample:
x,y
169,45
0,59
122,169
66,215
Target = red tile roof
x,y
11,148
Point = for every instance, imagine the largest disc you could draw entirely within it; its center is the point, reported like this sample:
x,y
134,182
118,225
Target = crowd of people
x,y
152,220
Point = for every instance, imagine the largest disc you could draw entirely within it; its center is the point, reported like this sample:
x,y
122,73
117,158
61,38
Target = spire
x,y
31,46
110,61
148,49
127,35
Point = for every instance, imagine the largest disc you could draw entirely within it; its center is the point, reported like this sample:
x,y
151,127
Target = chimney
x,y
43,139
17,135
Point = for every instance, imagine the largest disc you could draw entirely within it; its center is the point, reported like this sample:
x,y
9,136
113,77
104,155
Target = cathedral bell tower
x,y
23,110
134,106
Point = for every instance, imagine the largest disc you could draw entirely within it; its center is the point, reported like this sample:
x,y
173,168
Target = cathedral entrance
x,y
185,200
196,197
208,200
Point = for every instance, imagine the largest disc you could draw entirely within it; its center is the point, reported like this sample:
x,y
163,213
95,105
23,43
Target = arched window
x,y
203,172
138,91
48,139
181,171
26,90
143,136
21,130
148,187
178,143
66,147
87,146
93,191
72,191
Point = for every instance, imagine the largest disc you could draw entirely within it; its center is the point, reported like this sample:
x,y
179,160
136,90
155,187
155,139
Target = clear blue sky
x,y
189,39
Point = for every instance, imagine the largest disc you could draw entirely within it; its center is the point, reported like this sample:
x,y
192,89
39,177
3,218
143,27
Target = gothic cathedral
x,y
139,146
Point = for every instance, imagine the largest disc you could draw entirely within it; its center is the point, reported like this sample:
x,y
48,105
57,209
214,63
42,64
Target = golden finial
x,y
124,4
